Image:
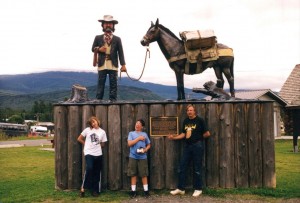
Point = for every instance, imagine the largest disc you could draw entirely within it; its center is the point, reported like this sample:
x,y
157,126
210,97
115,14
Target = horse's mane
x,y
168,31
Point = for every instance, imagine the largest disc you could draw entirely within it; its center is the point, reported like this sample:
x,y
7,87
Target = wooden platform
x,y
240,152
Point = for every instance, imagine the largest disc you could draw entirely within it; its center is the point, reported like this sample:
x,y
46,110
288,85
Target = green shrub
x,y
3,136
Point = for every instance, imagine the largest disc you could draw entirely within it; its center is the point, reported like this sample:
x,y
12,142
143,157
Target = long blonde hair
x,y
91,120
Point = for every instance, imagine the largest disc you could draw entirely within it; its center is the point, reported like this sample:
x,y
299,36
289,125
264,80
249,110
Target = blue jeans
x,y
113,84
91,180
191,152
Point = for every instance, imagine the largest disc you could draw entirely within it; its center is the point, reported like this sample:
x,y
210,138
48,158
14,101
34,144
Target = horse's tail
x,y
224,50
231,67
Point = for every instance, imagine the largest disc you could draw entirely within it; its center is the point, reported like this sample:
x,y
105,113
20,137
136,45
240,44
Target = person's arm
x,y
176,137
133,142
95,44
98,44
121,54
103,140
206,134
147,148
81,139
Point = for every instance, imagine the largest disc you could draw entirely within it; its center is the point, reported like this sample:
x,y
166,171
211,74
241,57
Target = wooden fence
x,y
239,153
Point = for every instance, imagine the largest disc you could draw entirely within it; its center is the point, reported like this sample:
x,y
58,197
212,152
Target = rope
x,y
133,79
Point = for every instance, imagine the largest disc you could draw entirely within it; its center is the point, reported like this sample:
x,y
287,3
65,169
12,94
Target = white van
x,y
38,130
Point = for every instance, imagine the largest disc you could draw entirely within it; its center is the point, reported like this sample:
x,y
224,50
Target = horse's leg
x,y
230,80
180,86
220,80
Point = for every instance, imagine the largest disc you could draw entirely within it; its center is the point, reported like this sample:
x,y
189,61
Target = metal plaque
x,y
163,126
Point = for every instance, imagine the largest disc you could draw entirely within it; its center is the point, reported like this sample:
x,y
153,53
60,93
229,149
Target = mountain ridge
x,y
60,80
22,90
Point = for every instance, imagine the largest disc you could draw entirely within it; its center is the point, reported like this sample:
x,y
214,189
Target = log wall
x,y
239,153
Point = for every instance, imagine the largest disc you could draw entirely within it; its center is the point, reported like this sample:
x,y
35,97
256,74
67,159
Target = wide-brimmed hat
x,y
108,18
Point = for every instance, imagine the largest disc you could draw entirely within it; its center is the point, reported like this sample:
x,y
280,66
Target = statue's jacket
x,y
116,50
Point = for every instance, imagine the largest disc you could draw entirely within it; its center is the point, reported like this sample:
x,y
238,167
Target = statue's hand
x,y
102,49
123,69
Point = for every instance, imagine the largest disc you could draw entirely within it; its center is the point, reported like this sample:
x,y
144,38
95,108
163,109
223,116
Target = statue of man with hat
x,y
108,50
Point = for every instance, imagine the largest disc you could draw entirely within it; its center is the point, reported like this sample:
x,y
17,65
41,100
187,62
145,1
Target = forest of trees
x,y
40,111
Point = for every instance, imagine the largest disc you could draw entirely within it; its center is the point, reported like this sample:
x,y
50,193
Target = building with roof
x,y
290,91
267,94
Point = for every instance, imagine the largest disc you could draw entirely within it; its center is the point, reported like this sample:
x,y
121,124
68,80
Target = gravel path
x,y
16,143
188,198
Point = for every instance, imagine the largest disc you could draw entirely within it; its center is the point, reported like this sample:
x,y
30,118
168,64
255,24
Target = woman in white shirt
x,y
93,139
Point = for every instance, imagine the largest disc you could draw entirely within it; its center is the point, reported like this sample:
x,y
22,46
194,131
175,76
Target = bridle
x,y
146,40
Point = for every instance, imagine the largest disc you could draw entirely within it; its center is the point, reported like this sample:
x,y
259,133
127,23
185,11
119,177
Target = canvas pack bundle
x,y
198,39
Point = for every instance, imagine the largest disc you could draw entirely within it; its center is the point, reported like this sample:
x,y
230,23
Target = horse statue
x,y
173,48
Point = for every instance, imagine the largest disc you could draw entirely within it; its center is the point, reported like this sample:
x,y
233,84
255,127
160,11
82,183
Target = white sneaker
x,y
177,192
197,193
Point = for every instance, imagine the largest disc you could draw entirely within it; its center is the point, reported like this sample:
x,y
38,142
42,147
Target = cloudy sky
x,y
50,35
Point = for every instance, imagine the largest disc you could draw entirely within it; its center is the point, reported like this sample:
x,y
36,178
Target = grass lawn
x,y
27,175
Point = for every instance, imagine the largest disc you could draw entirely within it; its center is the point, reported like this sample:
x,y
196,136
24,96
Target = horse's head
x,y
151,35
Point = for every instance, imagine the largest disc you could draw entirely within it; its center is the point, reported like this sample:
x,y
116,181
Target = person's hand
x,y
141,138
123,68
171,137
206,134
